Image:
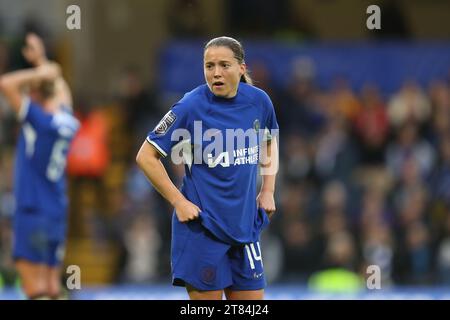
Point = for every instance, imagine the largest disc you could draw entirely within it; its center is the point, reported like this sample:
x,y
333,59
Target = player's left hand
x,y
266,201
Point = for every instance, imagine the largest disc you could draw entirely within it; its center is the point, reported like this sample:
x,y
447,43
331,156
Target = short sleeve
x,y
271,127
164,136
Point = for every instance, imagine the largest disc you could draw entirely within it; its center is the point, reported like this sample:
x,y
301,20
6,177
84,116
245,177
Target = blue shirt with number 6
x,y
41,159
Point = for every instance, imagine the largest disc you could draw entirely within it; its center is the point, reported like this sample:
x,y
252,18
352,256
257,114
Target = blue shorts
x,y
206,263
39,238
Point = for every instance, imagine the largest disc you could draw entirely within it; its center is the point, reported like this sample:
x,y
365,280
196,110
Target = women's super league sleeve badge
x,y
256,125
166,122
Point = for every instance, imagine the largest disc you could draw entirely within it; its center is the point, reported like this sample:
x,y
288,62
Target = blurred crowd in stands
x,y
364,180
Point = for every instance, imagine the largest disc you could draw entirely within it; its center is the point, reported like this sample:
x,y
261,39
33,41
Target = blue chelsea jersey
x,y
220,139
41,159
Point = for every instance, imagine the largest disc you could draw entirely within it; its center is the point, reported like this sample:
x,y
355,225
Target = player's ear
x,y
243,69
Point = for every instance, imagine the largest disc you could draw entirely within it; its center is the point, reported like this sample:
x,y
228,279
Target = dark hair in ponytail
x,y
237,49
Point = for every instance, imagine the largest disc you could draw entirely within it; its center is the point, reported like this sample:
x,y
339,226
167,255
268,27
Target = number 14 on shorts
x,y
253,255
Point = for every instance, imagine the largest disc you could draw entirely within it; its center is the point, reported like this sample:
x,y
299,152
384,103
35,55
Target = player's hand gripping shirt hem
x,y
158,148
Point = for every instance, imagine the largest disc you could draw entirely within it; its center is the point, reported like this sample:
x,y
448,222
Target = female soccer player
x,y
47,127
218,215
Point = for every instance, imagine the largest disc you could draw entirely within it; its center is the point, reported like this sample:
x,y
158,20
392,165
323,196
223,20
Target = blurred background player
x,y
43,104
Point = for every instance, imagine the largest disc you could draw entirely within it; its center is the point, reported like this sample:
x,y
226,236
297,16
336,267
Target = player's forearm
x,y
157,174
20,78
268,183
11,87
11,83
17,79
